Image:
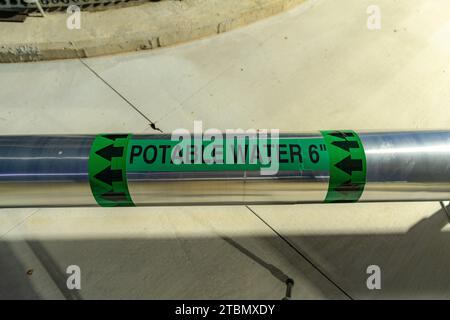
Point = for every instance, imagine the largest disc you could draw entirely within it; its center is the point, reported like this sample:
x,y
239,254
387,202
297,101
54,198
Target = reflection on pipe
x,y
135,170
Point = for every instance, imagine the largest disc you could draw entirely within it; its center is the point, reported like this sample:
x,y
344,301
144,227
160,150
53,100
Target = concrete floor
x,y
315,67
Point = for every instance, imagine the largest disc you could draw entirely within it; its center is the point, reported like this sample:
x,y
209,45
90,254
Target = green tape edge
x,y
347,168
115,194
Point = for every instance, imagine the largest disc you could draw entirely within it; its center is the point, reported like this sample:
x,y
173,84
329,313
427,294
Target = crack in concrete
x,y
445,209
308,260
151,123
19,223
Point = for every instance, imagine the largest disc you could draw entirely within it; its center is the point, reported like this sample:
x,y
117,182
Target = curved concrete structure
x,y
146,26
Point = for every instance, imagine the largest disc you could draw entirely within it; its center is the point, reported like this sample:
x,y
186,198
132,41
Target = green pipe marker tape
x,y
347,166
338,152
107,170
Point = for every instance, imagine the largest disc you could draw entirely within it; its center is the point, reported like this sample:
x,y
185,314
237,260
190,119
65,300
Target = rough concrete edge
x,y
141,41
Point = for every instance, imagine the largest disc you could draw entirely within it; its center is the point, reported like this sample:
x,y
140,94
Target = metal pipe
x,y
126,170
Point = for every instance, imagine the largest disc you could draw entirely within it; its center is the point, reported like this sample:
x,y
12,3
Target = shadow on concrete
x,y
58,276
415,264
12,16
14,280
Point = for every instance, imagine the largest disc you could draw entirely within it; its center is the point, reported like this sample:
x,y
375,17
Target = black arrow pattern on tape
x,y
114,137
347,155
115,196
109,176
109,152
346,145
342,135
348,165
102,173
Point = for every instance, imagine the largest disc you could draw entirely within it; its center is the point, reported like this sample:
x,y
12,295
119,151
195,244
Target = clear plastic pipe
x,y
136,170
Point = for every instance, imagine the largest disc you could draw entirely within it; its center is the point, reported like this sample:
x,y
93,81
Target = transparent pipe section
x,y
52,171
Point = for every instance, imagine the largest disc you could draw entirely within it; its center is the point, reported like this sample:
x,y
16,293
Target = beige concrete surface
x,y
57,98
315,67
143,27
157,253
408,241
303,70
11,218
